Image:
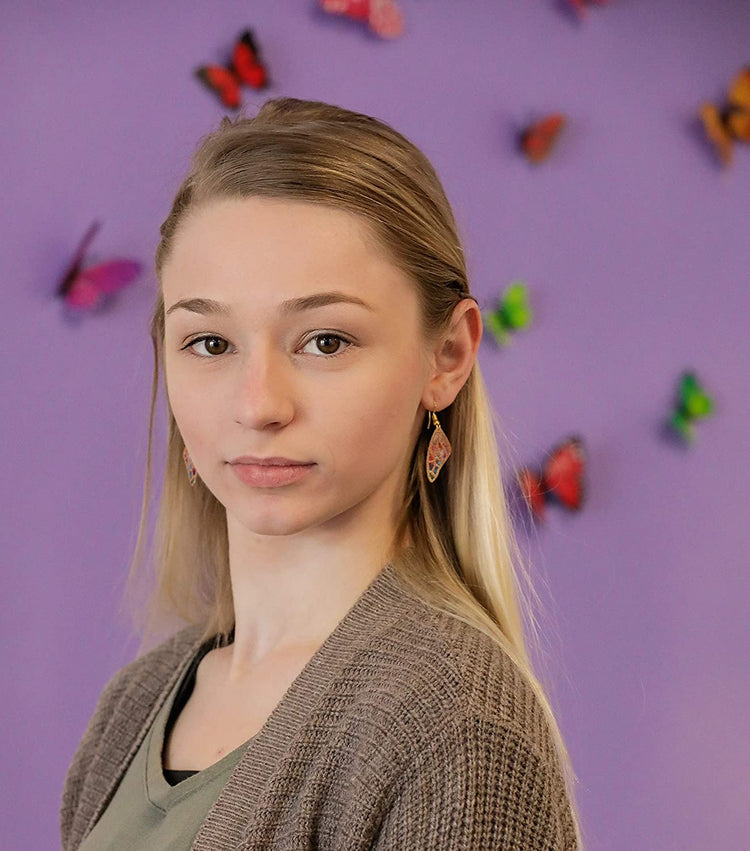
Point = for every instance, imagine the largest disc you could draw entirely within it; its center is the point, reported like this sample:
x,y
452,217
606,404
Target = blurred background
x,y
634,243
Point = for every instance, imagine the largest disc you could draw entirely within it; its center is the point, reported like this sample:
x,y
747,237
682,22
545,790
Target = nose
x,y
263,392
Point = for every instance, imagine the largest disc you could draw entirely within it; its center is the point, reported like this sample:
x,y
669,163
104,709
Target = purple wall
x,y
635,245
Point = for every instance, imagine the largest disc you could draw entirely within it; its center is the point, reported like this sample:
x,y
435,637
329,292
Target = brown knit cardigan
x,y
407,730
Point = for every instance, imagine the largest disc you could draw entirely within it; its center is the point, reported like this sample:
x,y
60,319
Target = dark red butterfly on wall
x,y
245,68
87,288
382,16
538,139
561,478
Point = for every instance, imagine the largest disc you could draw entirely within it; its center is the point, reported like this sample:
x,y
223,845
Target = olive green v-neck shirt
x,y
146,812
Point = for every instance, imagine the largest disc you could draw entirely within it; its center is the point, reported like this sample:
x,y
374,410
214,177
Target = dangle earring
x,y
438,449
190,467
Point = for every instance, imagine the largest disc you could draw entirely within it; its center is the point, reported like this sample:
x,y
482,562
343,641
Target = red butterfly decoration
x,y
562,478
581,6
87,288
383,16
538,139
245,67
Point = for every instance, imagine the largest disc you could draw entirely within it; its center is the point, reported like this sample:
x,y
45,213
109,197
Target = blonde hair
x,y
464,558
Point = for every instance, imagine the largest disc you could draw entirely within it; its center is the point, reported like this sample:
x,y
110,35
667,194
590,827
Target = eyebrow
x,y
208,306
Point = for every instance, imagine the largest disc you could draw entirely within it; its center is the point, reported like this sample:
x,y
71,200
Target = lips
x,y
276,461
270,475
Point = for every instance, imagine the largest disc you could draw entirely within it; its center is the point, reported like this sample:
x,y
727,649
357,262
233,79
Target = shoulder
x,y
477,784
450,669
481,767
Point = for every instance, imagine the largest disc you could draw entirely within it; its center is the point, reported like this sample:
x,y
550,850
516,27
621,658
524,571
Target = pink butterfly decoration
x,y
85,289
383,16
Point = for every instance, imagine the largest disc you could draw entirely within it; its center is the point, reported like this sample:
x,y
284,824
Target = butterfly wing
x,y
385,18
222,82
358,10
695,403
515,307
738,124
680,419
97,281
74,267
532,488
539,138
246,62
739,90
682,425
496,325
564,471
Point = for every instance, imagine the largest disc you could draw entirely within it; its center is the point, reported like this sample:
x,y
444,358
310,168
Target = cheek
x,y
378,428
191,410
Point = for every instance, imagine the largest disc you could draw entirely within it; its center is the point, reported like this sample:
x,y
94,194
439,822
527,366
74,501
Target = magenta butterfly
x,y
383,16
85,289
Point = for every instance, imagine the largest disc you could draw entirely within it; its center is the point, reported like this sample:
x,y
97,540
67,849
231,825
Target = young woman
x,y
332,528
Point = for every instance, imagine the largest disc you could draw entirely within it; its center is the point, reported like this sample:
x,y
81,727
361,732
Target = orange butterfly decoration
x,y
245,67
538,139
731,122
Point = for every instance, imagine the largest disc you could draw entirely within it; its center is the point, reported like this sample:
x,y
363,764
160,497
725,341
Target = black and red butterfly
x,y
86,288
561,478
245,68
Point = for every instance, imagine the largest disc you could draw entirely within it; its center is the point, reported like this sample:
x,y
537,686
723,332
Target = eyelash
x,y
314,336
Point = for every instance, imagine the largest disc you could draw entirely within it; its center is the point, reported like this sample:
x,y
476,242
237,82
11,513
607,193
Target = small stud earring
x,y
190,467
438,449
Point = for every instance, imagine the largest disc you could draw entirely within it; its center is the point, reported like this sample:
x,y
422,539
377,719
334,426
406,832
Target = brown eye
x,y
330,341
211,345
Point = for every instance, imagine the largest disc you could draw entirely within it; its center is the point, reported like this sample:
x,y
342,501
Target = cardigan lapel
x,y
243,817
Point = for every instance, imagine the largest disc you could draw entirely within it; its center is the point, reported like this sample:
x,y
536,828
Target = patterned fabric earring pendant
x,y
190,467
438,450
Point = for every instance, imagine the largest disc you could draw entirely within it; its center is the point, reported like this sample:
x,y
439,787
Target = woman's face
x,y
336,385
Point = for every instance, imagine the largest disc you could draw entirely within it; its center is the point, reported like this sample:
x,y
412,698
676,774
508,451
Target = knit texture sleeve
x,y
478,785
86,750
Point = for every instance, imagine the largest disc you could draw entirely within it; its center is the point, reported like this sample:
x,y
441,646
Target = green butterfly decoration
x,y
512,313
693,403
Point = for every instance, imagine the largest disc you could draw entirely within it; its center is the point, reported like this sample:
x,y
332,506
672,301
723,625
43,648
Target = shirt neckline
x,y
157,790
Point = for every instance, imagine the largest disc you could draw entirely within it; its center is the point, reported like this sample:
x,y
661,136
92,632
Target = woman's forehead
x,y
290,249
256,219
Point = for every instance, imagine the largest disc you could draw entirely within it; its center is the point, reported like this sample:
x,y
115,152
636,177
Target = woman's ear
x,y
454,356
